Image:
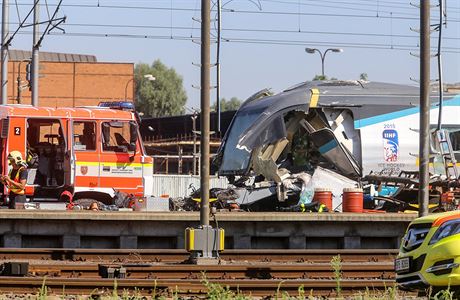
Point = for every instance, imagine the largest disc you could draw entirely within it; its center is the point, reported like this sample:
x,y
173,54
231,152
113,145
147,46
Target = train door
x,y
120,159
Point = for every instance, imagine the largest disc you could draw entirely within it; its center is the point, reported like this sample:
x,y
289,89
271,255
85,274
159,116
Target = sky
x,y
263,41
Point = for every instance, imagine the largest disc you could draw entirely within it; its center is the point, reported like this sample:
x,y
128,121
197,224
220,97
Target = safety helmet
x,y
16,156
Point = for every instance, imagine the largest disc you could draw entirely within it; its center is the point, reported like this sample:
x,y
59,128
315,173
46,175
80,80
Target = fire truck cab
x,y
88,151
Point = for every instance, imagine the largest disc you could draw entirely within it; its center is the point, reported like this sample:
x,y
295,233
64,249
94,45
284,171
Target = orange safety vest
x,y
14,189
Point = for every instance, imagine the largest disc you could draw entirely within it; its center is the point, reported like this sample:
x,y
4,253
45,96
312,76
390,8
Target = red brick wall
x,y
69,84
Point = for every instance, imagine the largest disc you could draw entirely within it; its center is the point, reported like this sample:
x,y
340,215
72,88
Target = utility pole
x,y
219,26
5,54
423,193
205,109
204,242
35,53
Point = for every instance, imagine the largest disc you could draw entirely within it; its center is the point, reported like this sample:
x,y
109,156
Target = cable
x,y
255,41
249,30
261,12
256,30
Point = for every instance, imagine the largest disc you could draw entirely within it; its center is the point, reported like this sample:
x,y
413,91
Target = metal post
x,y
219,24
194,141
5,55
35,53
205,242
322,61
179,163
18,99
323,58
205,86
423,194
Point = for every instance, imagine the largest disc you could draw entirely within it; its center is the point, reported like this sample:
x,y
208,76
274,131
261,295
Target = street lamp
x,y
322,55
149,77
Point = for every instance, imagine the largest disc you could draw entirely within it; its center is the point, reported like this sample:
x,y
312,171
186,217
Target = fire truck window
x,y
84,137
50,133
116,136
42,132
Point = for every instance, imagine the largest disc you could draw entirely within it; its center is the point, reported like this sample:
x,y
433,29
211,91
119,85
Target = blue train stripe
x,y
401,113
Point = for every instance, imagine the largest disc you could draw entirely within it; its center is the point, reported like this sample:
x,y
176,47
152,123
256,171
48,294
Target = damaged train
x,y
330,134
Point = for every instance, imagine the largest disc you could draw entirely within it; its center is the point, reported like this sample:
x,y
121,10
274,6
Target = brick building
x,y
68,80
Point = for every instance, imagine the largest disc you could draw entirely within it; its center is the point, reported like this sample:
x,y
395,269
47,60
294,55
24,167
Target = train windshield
x,y
236,161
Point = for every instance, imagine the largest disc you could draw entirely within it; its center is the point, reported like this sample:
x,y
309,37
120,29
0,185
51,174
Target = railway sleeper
x,y
14,269
110,271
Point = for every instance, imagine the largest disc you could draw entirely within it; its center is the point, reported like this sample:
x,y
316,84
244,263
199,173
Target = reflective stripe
x,y
16,179
111,164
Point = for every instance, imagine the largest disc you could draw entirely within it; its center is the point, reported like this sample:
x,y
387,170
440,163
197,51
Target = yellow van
x,y
430,253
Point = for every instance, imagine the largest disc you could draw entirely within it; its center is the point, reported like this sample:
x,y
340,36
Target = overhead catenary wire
x,y
285,42
396,15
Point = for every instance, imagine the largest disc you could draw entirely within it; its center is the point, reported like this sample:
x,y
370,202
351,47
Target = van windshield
x,y
236,160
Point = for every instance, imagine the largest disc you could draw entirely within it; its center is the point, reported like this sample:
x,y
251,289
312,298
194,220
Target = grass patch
x,y
215,291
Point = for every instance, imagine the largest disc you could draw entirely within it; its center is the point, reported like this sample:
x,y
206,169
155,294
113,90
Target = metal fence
x,y
179,185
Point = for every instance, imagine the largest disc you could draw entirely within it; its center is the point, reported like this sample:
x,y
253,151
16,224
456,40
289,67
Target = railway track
x,y
178,255
192,287
227,271
149,272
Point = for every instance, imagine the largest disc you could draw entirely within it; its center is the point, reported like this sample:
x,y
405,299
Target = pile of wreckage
x,y
323,136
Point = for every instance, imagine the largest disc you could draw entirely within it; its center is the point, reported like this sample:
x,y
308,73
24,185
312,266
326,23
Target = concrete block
x,y
12,240
52,206
157,204
128,242
352,242
180,242
71,241
297,242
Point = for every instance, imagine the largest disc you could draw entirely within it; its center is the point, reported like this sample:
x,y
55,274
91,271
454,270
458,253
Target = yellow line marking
x,y
314,97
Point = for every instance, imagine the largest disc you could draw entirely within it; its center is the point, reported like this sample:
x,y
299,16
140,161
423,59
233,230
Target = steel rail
x,y
227,271
256,287
177,255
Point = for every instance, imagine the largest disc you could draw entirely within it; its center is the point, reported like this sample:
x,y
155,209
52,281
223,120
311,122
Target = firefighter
x,y
16,179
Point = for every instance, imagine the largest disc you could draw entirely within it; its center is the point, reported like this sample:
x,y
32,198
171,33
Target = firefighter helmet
x,y
16,156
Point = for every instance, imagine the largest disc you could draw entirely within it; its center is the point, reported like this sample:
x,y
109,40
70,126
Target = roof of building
x,y
20,110
20,55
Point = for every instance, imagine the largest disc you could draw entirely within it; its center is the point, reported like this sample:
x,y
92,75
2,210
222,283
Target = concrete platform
x,y
243,230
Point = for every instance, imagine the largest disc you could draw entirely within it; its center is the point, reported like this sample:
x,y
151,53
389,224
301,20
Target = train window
x,y
84,135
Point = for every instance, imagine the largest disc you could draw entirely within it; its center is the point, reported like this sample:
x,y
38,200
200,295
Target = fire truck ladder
x,y
447,153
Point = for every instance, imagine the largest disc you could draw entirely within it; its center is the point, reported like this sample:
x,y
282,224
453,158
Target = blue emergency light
x,y
123,105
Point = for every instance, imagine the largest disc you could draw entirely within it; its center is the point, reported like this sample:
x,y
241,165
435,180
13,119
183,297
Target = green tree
x,y
165,96
321,77
363,76
233,104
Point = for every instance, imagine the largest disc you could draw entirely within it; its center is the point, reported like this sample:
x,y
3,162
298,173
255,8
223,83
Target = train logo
x,y
390,145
